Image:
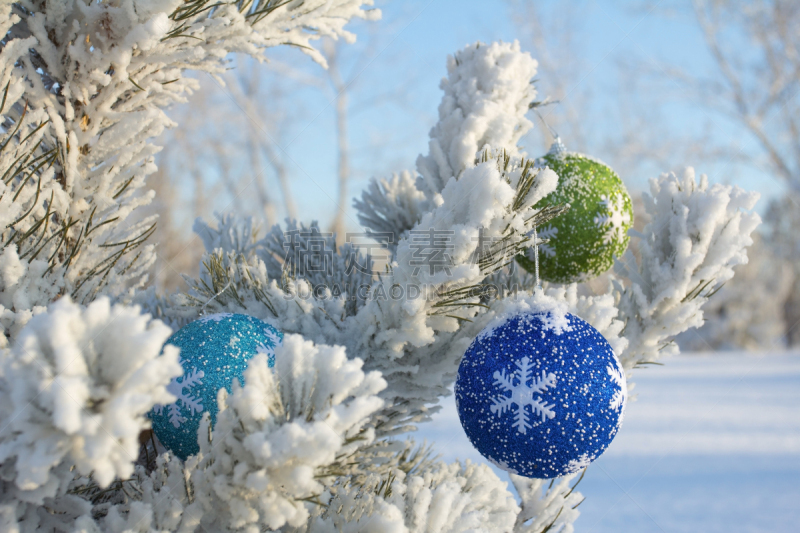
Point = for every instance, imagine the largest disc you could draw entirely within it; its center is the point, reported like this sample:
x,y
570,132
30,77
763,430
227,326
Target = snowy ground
x,y
712,444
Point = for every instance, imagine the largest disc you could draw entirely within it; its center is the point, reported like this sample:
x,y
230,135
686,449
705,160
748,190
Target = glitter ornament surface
x,y
585,239
540,397
214,350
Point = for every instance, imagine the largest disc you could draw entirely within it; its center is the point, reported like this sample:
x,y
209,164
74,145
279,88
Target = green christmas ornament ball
x,y
584,240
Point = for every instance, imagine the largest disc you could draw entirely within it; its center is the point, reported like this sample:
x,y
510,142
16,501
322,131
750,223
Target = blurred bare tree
x,y
232,166
755,48
342,84
341,89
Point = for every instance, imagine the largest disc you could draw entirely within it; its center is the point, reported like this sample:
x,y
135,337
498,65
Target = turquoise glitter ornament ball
x,y
214,350
541,395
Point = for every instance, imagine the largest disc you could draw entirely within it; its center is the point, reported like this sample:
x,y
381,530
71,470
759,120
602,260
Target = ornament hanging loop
x,y
557,147
538,286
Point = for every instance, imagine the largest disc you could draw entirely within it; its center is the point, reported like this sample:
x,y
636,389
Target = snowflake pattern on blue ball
x,y
214,350
541,397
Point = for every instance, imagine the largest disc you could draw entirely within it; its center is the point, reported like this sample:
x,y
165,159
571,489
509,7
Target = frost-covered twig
x,y
74,391
272,443
697,233
487,93
83,88
441,498
278,442
552,509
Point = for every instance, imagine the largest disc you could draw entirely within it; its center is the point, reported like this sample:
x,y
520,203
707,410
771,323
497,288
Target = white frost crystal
x,y
442,498
76,387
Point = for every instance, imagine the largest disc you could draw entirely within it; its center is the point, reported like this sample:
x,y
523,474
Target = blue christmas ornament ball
x,y
214,350
541,395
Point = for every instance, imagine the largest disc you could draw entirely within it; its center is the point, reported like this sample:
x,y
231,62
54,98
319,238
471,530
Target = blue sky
x,y
404,54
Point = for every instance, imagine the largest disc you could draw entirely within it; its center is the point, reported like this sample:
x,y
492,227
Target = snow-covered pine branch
x,y
551,509
697,233
391,206
284,436
83,87
740,316
487,92
74,390
438,498
279,442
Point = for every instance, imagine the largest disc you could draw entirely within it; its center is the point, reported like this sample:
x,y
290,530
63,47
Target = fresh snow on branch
x,y
74,390
487,92
696,235
553,509
391,207
282,433
84,86
441,498
280,442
